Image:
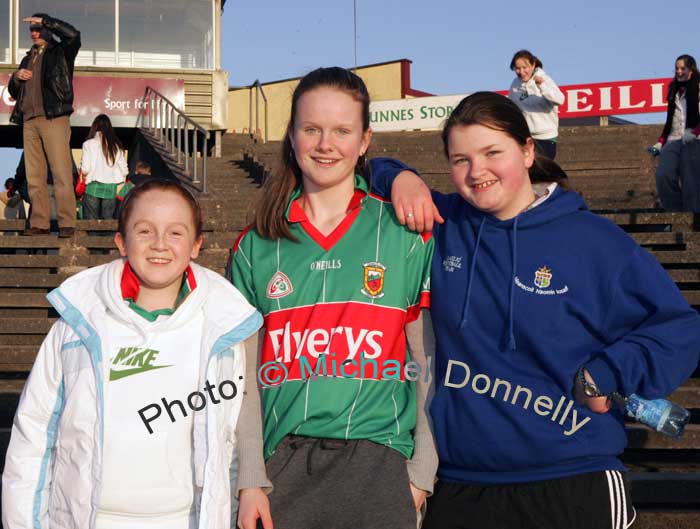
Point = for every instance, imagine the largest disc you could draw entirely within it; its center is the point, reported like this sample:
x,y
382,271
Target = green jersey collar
x,y
360,185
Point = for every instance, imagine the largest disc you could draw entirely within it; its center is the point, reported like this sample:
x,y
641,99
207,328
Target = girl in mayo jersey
x,y
344,440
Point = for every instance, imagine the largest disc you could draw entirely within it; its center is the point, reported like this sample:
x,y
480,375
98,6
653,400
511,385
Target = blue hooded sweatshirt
x,y
517,307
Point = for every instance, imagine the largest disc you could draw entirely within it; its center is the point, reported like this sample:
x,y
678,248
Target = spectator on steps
x,y
104,168
12,201
43,88
142,172
678,173
538,97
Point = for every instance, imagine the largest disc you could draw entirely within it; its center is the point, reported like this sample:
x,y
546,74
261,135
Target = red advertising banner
x,y
613,98
121,98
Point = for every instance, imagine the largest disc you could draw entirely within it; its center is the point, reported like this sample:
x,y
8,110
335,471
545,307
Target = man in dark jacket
x,y
43,89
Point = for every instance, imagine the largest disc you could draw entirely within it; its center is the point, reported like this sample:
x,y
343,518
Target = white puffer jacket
x,y
54,461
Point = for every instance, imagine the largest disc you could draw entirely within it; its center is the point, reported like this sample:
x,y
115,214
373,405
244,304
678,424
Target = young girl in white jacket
x,y
104,167
538,97
128,418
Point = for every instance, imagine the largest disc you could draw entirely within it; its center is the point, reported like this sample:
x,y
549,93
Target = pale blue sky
x,y
459,46
456,46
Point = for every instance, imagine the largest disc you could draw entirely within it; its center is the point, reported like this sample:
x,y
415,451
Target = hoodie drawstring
x,y
512,346
472,268
511,335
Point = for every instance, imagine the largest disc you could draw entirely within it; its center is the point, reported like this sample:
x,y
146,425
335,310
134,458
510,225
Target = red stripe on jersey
x,y
344,331
297,214
240,237
423,303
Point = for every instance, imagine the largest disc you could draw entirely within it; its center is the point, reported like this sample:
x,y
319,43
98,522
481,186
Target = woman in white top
x,y
538,97
678,173
104,167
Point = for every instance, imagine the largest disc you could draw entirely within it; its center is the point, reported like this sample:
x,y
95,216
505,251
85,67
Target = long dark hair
x,y
690,63
498,112
110,143
271,204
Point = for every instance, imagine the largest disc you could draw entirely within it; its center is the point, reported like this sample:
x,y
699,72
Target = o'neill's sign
x,y
582,100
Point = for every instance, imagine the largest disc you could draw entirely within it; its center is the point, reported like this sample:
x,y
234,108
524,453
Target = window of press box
x,y
94,19
5,50
176,34
166,34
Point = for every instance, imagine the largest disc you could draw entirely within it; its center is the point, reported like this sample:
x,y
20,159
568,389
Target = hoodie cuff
x,y
603,375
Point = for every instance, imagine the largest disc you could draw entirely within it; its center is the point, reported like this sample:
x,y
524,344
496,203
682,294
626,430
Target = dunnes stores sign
x,y
582,100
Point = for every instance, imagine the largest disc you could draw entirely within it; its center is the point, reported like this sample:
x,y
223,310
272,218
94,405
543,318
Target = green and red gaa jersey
x,y
335,308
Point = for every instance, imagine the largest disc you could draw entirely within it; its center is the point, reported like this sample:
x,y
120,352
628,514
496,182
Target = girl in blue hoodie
x,y
531,294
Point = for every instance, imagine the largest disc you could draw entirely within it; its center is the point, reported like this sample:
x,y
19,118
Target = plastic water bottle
x,y
659,414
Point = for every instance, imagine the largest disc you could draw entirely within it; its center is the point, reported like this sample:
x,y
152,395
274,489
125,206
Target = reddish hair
x,y
139,190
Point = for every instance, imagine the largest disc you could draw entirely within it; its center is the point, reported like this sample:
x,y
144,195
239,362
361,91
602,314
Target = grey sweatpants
x,y
678,176
335,484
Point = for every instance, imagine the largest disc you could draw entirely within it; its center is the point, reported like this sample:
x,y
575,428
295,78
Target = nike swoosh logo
x,y
116,375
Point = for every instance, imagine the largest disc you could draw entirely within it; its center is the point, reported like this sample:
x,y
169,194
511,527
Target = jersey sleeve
x,y
239,269
419,261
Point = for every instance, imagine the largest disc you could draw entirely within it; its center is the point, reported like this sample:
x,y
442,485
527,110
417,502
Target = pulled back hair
x,y
528,56
271,205
498,112
139,190
110,143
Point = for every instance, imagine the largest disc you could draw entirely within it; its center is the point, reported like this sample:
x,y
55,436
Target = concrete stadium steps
x,y
231,186
666,519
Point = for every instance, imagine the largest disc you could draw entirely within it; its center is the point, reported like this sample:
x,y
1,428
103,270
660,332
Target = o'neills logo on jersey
x,y
374,280
279,286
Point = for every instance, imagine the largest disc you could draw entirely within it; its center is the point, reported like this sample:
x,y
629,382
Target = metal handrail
x,y
258,91
171,127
